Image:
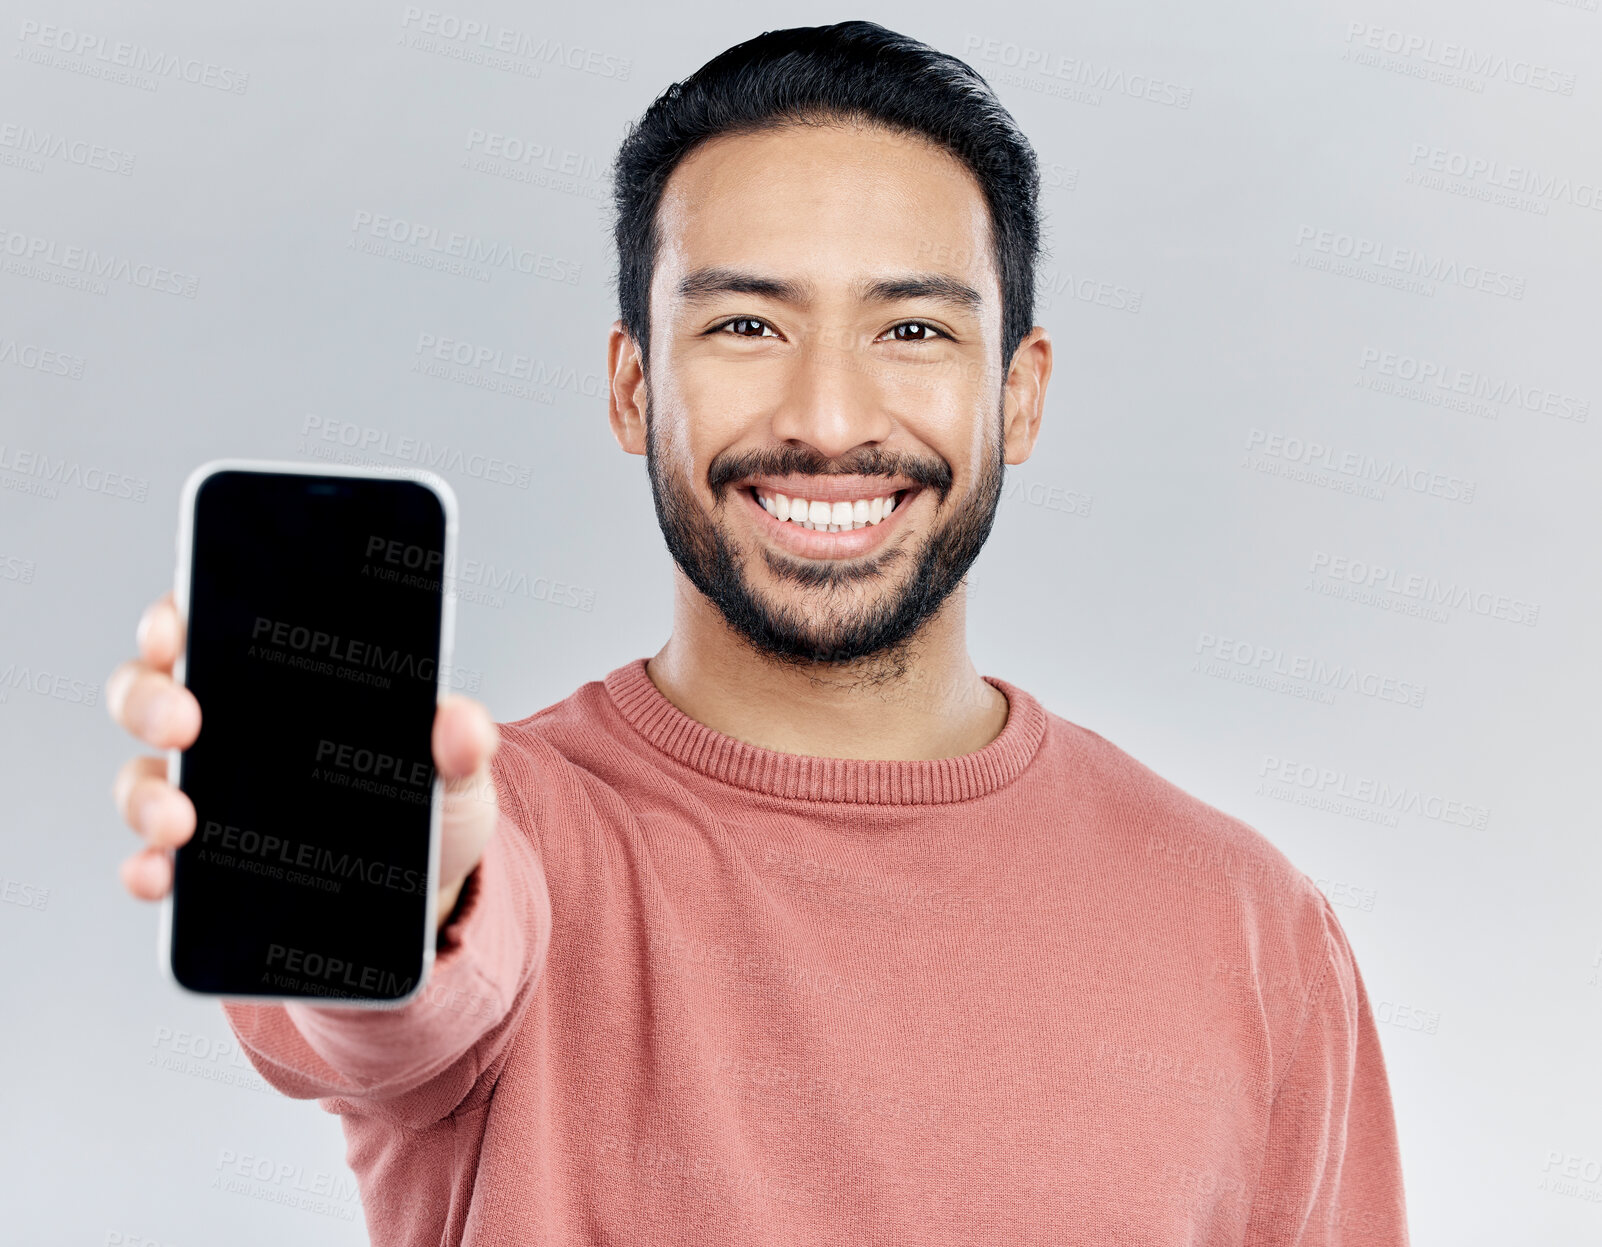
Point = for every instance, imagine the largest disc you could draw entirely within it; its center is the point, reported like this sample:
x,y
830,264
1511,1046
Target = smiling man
x,y
802,931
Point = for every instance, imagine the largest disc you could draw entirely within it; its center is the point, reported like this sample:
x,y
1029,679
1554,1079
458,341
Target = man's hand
x,y
143,697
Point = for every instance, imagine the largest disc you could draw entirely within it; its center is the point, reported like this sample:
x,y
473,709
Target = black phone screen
x,y
313,647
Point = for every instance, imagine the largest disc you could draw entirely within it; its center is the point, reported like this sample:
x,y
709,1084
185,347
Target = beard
x,y
865,622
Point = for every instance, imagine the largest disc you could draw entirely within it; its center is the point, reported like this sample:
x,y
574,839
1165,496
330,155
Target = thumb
x,y
465,738
465,742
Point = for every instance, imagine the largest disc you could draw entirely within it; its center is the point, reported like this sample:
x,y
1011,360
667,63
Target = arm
x,y
1332,1170
488,961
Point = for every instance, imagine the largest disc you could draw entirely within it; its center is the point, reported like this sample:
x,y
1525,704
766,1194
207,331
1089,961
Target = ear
x,y
626,396
1024,395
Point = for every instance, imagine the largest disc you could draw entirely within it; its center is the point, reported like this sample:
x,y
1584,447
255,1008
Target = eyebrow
x,y
707,283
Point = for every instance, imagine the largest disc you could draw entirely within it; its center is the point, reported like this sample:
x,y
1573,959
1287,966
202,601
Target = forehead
x,y
836,201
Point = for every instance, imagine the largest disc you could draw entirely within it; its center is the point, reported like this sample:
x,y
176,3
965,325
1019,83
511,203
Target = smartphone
x,y
318,629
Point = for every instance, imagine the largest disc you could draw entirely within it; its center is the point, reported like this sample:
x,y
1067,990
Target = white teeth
x,y
816,515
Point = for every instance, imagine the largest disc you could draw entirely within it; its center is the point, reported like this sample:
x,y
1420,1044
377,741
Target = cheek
x,y
954,432
713,420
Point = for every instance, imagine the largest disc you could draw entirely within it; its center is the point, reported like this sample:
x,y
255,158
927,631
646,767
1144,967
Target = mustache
x,y
805,461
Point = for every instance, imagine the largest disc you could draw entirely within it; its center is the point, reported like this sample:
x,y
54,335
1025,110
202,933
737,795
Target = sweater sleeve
x,y
1332,1171
417,1063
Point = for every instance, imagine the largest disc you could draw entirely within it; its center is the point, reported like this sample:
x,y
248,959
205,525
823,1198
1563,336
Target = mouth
x,y
822,520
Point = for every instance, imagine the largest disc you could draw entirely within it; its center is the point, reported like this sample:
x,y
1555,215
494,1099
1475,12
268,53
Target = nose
x,y
833,402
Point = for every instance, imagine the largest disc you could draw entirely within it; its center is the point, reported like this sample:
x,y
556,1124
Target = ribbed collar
x,y
798,777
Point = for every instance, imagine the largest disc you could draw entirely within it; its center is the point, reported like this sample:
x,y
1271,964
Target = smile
x,y
830,527
823,516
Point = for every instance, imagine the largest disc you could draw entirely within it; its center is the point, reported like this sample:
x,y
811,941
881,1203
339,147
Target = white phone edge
x,y
447,638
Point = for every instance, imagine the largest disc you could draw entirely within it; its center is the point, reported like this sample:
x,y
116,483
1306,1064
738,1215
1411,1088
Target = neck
x,y
929,703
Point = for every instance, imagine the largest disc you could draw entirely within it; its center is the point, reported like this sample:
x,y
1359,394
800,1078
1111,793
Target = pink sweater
x,y
701,992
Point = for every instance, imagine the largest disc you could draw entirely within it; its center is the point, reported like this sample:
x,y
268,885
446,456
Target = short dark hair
x,y
811,75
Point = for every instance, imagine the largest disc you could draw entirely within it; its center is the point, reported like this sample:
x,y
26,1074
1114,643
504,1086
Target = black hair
x,y
818,75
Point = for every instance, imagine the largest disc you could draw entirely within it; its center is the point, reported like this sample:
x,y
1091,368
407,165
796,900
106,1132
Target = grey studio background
x,y
1310,529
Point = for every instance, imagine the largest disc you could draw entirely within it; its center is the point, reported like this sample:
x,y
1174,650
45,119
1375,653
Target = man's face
x,y
825,457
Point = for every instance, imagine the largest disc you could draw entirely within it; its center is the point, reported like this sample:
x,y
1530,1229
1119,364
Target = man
x,y
802,931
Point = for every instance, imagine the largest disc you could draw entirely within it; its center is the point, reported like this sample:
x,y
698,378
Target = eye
x,y
738,326
929,332
740,321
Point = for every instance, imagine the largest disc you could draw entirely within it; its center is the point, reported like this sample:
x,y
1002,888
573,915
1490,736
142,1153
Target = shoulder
x,y
548,761
1174,853
1172,833
564,722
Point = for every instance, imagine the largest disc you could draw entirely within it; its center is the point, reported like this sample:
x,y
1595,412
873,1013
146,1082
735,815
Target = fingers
x,y
465,738
161,633
147,875
142,696
146,701
159,812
